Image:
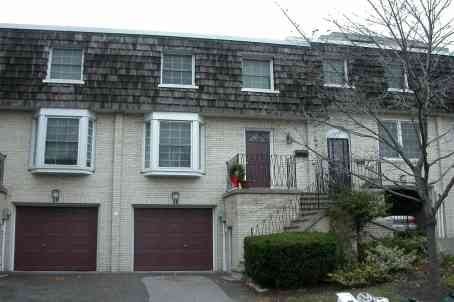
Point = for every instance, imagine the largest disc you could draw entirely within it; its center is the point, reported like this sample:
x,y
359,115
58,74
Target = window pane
x,y
256,74
175,144
334,72
62,140
147,144
394,76
66,64
177,69
90,142
385,150
410,139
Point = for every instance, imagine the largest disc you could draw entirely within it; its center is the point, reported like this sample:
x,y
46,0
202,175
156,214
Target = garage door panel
x,y
53,239
173,239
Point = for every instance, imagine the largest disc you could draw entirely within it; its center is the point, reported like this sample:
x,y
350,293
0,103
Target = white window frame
x,y
48,78
399,138
259,90
39,134
198,145
346,77
406,88
164,85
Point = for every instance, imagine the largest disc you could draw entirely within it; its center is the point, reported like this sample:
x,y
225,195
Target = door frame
x,y
214,229
271,134
51,205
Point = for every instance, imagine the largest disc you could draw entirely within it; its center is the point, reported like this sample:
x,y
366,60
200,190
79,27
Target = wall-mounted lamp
x,y
55,195
288,139
175,196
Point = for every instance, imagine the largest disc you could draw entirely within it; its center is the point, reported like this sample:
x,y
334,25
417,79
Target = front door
x,y
339,163
258,158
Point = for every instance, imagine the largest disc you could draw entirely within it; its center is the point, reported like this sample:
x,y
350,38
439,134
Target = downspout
x,y
224,261
3,244
441,183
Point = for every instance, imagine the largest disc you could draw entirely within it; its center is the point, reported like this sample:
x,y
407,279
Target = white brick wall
x,y
117,184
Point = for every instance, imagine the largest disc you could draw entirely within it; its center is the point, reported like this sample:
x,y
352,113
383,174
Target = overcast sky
x,y
246,18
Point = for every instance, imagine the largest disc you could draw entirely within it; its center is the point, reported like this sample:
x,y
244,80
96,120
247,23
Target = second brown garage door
x,y
56,238
173,239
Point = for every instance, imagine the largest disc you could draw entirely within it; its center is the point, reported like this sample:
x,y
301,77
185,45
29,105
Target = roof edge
x,y
149,33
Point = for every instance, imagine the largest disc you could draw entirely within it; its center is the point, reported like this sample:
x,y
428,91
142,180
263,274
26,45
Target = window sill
x,y
260,90
61,81
62,170
178,86
162,172
399,90
339,86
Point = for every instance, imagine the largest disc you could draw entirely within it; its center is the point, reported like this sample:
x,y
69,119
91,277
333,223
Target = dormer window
x,y
65,66
63,142
257,75
335,73
177,70
396,78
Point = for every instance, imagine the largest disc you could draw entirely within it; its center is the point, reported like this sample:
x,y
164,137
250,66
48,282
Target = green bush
x,y
449,281
409,243
359,275
379,265
290,260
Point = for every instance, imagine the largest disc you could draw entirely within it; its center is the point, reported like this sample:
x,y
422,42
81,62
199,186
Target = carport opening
x,y
401,205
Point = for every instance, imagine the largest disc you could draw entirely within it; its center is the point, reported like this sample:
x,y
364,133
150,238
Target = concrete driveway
x,y
122,287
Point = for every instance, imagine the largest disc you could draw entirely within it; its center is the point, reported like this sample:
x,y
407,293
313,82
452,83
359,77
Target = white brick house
x,y
117,146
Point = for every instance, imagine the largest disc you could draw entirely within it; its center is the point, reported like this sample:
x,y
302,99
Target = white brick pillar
x,y
117,169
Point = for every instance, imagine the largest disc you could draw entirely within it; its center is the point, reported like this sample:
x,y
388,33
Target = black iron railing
x,y
263,171
278,220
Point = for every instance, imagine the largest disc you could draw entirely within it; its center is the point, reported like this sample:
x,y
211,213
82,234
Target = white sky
x,y
244,18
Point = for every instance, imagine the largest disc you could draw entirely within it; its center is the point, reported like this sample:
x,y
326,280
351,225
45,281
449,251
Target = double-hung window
x,y
396,77
177,70
2,172
404,133
257,75
335,73
63,141
65,66
174,144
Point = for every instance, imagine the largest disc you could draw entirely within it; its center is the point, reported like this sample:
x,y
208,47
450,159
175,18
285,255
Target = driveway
x,y
133,287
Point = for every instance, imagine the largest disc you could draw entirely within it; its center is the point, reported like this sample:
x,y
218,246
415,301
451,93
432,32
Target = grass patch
x,y
387,290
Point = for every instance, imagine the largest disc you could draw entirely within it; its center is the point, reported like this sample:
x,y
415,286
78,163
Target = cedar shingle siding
x,y
122,73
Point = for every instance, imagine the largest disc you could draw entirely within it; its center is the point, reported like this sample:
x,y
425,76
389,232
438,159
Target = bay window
x,y
63,142
174,144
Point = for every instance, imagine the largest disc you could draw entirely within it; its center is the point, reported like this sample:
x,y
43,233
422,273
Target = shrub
x,y
360,275
409,243
290,260
449,281
390,259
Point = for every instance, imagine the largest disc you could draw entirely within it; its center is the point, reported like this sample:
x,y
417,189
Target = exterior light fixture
x,y
55,195
175,197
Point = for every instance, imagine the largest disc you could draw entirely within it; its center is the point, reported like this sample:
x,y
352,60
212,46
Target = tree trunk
x,y
434,260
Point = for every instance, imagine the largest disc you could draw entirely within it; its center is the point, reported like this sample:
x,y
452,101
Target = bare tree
x,y
413,34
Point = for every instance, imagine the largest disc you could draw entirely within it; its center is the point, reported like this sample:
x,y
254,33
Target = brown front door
x,y
55,238
339,163
258,158
173,239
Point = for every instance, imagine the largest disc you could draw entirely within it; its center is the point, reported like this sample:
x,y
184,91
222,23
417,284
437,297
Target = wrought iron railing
x,y
264,171
278,220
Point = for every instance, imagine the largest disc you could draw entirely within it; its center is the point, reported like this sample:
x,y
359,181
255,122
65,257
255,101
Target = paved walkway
x,y
132,287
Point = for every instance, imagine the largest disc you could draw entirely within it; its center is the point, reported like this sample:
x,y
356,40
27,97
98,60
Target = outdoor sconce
x,y
175,197
55,195
289,139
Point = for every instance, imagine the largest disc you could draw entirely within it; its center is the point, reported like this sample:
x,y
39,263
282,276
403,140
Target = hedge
x,y
290,260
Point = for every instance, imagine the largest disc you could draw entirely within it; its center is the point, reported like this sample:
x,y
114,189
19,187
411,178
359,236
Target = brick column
x,y
117,172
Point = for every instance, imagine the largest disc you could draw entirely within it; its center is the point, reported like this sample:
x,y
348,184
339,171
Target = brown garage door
x,y
173,239
56,239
